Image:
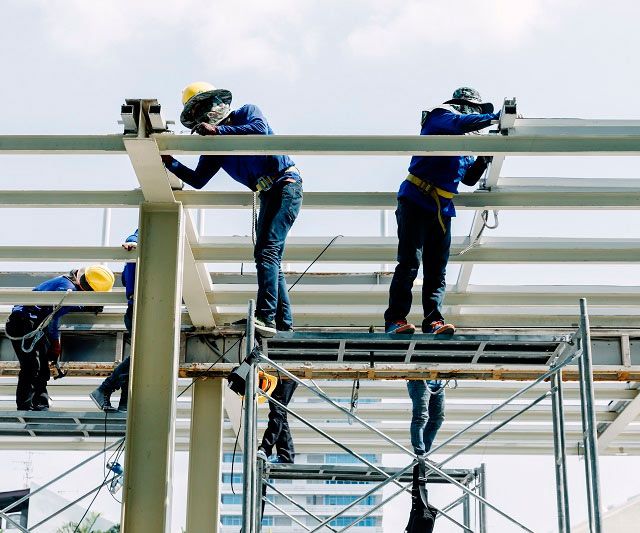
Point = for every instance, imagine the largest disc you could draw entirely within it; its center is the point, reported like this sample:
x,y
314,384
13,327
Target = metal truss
x,y
254,482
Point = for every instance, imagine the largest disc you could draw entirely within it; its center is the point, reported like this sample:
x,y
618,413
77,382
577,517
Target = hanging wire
x,y
485,225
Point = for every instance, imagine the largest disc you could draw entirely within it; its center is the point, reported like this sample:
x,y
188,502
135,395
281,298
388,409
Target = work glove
x,y
204,128
167,159
128,246
94,309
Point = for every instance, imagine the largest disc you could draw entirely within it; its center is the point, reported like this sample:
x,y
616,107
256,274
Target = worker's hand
x,y
55,351
128,246
167,159
204,128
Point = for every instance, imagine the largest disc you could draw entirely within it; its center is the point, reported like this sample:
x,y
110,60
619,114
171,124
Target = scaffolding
x,y
496,341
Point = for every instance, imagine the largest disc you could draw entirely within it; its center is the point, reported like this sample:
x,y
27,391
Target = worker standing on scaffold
x,y
35,334
119,378
424,212
207,111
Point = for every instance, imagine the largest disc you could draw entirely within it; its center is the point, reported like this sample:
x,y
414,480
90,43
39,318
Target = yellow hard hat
x,y
266,383
200,91
99,278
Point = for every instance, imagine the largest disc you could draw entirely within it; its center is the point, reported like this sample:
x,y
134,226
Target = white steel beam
x,y
383,250
575,143
612,431
510,194
154,371
205,456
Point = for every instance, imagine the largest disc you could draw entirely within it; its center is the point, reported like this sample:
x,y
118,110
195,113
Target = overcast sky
x,y
319,67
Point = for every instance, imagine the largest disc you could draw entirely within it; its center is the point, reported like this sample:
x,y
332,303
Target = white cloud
x,y
394,28
266,36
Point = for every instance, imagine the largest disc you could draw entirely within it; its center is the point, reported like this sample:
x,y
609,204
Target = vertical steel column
x,y
482,509
150,438
466,511
589,431
205,456
559,448
249,499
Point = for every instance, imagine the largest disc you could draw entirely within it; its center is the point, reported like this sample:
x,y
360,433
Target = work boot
x,y
265,328
261,454
124,400
438,327
400,326
102,399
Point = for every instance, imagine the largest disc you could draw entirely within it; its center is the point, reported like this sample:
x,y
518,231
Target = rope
x,y
485,225
37,333
313,262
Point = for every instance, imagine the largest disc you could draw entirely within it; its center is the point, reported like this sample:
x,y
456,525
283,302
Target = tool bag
x,y
423,516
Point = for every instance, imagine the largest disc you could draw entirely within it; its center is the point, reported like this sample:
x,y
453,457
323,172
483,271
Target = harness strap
x,y
426,187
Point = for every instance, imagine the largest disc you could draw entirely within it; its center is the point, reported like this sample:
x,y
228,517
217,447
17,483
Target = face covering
x,y
217,114
465,109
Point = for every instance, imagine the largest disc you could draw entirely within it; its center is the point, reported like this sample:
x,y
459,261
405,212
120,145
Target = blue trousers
x,y
119,378
279,207
427,413
420,239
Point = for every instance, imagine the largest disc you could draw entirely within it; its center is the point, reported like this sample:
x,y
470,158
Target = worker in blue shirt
x,y
35,334
119,378
425,209
207,111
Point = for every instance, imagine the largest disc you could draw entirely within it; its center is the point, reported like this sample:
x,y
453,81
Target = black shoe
x,y
122,405
102,400
40,407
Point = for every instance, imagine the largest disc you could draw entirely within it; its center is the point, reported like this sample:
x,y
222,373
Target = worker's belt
x,y
428,188
265,183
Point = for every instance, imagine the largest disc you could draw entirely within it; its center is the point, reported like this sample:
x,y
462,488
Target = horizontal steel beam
x,y
497,250
405,145
66,253
331,371
62,144
550,196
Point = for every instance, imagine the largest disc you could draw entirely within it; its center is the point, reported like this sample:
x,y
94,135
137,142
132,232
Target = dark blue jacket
x,y
39,313
245,169
129,272
443,171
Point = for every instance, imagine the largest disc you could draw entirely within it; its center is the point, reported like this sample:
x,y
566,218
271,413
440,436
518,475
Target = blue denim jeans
x,y
279,207
427,414
420,239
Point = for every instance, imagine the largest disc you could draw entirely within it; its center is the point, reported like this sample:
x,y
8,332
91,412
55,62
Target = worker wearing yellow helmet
x,y
35,334
207,111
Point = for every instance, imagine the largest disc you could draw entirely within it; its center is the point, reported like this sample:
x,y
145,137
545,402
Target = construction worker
x,y
207,111
119,378
35,334
427,415
278,434
424,212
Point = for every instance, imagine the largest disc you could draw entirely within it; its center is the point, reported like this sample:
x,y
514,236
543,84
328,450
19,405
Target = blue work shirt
x,y
443,171
129,272
245,169
39,313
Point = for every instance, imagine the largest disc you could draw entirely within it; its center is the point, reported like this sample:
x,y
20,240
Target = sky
x,y
319,67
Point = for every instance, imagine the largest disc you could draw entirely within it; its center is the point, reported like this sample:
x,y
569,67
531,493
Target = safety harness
x,y
428,188
37,333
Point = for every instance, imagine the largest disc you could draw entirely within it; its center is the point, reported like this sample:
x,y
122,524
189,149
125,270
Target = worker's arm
x,y
250,121
476,170
445,122
207,167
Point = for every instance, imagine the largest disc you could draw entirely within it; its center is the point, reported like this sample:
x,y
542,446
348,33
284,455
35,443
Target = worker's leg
x,y
277,416
17,326
284,443
436,413
40,395
435,259
410,238
420,400
279,208
284,317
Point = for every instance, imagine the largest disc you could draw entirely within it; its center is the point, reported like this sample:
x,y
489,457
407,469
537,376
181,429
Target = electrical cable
x,y
235,447
313,262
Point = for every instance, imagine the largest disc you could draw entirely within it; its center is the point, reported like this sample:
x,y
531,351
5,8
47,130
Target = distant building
x,y
619,519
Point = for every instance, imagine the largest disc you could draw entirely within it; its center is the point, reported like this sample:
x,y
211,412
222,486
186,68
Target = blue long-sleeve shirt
x,y
443,171
39,313
129,272
245,169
